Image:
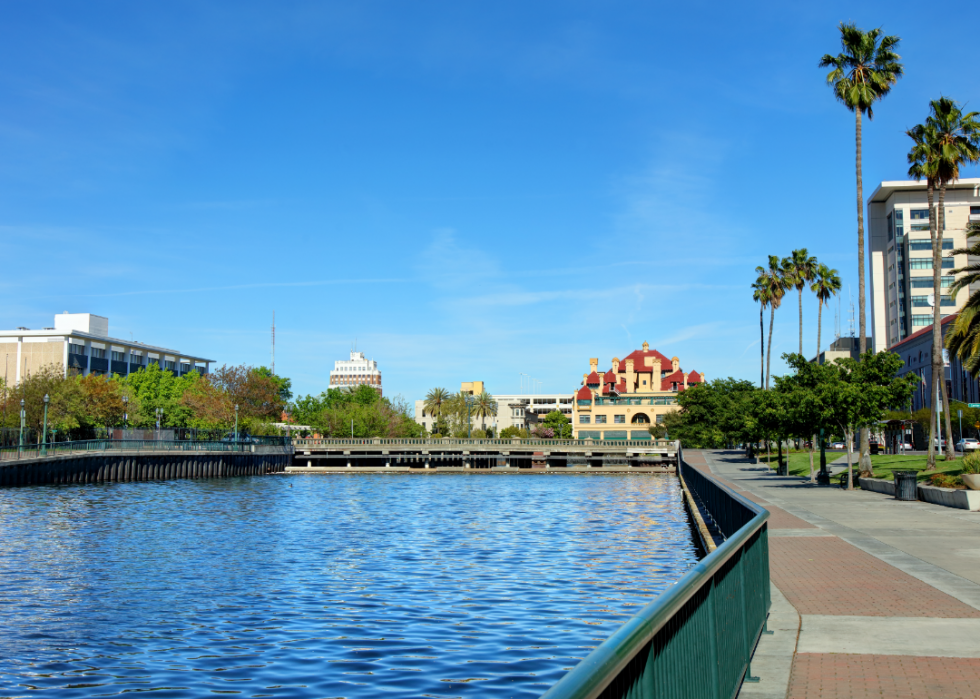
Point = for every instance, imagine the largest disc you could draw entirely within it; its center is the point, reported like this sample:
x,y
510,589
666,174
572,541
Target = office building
x,y
356,371
80,342
900,262
623,402
916,352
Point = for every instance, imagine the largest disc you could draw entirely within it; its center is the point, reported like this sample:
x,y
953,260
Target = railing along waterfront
x,y
34,451
694,641
448,441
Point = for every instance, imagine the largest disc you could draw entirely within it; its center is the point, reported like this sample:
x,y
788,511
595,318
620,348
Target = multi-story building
x,y
623,402
842,347
354,372
916,352
522,410
80,342
901,256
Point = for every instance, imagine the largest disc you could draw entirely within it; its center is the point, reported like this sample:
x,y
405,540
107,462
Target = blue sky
x,y
472,191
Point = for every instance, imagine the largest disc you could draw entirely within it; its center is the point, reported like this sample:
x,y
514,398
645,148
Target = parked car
x,y
940,446
967,444
907,446
837,445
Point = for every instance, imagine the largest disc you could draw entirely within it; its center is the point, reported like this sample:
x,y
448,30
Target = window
x,y
945,281
169,364
923,263
920,226
600,419
974,211
619,419
891,228
919,214
660,418
921,320
98,353
948,262
946,301
584,419
135,358
920,301
75,349
923,283
118,356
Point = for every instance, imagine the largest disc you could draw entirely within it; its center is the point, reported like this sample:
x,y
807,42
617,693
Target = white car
x,y
967,444
837,445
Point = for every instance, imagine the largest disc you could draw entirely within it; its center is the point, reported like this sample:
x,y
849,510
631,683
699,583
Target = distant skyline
x,y
472,192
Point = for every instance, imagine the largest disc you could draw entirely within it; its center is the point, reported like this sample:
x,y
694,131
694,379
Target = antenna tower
x,y
273,343
850,322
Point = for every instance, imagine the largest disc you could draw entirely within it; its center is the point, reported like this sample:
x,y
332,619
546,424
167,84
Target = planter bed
x,y
947,497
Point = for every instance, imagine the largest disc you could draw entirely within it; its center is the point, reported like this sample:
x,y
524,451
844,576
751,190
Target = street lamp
x,y
159,414
236,422
469,423
44,434
125,412
22,416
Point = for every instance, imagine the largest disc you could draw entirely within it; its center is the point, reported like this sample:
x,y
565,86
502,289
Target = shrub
x,y
435,435
944,480
479,434
971,463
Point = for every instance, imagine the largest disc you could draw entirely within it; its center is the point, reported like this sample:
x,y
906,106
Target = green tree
x,y
826,284
799,269
862,73
559,423
64,400
284,385
484,406
433,405
773,282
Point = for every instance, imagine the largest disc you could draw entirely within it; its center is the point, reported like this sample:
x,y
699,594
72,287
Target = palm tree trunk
x,y
862,326
800,294
772,317
936,360
762,349
940,231
819,323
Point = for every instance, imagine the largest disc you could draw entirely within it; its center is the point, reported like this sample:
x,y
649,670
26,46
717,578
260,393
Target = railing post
x,y
713,642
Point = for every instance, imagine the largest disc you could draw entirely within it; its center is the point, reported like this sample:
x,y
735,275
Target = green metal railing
x,y
34,451
447,441
696,640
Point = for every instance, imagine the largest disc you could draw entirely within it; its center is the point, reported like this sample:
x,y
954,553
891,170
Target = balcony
x,y
77,361
119,367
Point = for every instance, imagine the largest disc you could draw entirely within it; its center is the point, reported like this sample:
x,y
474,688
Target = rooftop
x,y
884,190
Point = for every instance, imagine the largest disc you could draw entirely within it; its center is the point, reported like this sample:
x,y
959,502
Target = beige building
x,y
354,372
624,401
80,342
472,388
901,256
521,410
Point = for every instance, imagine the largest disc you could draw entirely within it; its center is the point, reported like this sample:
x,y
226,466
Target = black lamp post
x,y
22,417
44,433
236,422
125,412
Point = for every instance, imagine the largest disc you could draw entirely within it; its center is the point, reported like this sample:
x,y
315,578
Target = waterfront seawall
x,y
122,466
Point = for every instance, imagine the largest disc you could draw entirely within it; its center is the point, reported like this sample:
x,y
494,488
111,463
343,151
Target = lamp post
x,y
236,422
159,414
469,423
44,433
22,416
125,412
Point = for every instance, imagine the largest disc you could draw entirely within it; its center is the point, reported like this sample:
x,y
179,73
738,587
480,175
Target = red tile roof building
x,y
623,401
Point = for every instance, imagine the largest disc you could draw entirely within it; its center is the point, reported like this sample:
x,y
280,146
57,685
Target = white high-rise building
x,y
354,372
901,256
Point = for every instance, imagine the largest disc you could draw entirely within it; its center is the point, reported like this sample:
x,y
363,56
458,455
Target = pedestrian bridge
x,y
448,453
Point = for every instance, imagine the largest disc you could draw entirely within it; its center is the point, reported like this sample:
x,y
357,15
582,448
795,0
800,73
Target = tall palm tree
x,y
947,140
825,285
772,280
863,73
435,400
760,293
799,269
484,406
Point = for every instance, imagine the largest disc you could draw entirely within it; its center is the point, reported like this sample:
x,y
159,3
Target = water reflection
x,y
343,586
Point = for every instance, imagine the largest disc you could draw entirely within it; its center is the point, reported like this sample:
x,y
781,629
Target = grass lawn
x,y
883,464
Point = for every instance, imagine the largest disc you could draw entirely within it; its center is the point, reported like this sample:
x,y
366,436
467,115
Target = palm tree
x,y
774,283
963,339
798,269
760,293
862,74
825,285
484,406
947,140
434,402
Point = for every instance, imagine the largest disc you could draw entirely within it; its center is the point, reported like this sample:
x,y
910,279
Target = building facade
x,y
624,401
80,342
841,348
520,410
354,372
916,352
901,256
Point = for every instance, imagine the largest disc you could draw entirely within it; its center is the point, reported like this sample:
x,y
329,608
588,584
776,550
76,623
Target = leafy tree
x,y
434,401
799,269
862,73
284,385
559,424
513,432
257,396
64,396
713,414
484,406
155,388
102,400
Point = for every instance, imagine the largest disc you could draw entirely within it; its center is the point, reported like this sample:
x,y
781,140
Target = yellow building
x,y
473,388
623,402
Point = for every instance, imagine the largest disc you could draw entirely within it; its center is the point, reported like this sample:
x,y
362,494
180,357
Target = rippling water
x,y
327,586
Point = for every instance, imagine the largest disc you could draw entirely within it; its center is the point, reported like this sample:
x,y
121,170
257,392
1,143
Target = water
x,y
327,586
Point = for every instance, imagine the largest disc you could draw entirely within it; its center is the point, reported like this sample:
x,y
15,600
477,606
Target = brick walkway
x,y
827,576
830,676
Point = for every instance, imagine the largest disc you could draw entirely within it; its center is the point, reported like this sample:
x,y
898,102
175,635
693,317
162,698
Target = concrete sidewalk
x,y
887,593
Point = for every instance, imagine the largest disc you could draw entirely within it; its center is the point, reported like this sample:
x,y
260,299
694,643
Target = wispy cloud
x,y
232,287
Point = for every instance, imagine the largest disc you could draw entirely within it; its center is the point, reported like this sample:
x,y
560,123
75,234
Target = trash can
x,y
906,485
